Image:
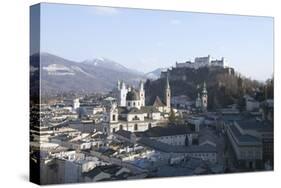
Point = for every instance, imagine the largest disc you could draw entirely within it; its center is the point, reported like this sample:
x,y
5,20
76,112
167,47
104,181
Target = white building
x,y
202,62
76,104
123,90
130,112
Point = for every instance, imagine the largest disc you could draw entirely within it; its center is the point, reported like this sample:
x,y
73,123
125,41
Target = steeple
x,y
142,93
118,85
204,97
167,93
204,91
141,85
167,83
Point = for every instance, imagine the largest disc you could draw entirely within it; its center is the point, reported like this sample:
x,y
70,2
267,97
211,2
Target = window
x,y
113,117
120,127
129,103
134,104
136,127
149,126
136,118
113,130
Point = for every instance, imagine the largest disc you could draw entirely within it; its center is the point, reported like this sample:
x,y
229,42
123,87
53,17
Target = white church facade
x,y
130,112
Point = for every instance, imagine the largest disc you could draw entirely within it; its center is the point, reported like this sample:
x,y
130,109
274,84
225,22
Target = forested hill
x,y
224,86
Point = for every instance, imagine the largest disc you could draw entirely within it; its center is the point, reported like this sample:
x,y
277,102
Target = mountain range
x,y
58,74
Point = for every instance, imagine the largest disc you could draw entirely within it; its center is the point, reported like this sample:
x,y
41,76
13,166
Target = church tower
x,y
198,102
113,113
142,94
167,93
122,94
204,98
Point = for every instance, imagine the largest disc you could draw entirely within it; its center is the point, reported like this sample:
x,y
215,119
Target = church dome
x,y
132,96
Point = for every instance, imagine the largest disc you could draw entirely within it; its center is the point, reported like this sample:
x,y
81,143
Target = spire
x,y
167,93
167,82
204,88
141,85
118,84
123,86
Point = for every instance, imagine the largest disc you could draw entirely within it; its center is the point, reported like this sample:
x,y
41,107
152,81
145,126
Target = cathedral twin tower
x,y
130,97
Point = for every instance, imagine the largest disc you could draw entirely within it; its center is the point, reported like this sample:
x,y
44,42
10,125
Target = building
x,y
164,106
130,112
76,104
251,103
200,62
202,99
178,135
251,140
263,129
123,90
182,102
205,152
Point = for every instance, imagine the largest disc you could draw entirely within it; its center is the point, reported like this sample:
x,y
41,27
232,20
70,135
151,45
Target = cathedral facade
x,y
130,113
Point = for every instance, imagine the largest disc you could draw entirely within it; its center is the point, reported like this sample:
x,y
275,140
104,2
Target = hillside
x,y
224,86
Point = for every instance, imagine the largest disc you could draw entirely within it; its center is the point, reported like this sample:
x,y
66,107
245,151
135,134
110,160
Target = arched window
x,y
113,117
134,103
121,127
136,118
136,127
113,130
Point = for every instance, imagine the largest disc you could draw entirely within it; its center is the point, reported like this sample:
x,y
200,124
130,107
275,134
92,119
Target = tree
x,y
172,117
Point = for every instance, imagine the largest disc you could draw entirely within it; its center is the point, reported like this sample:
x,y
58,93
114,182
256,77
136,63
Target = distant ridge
x,y
98,75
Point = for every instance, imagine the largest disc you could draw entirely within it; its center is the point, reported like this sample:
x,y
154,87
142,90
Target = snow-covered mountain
x,y
97,75
155,74
106,63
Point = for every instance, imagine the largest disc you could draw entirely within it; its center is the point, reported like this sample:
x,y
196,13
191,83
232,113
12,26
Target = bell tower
x,y
167,93
142,94
204,97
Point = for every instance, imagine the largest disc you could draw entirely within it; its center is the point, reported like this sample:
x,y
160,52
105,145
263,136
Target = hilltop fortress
x,y
178,71
202,62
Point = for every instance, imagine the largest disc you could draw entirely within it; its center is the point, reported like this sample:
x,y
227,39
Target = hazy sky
x,y
145,40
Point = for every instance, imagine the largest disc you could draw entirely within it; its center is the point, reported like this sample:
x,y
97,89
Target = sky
x,y
148,39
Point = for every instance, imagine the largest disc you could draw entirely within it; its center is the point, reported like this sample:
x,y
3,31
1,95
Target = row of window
x,y
134,104
204,154
135,127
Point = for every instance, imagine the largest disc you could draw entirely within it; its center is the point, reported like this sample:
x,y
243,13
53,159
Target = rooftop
x,y
244,138
177,149
165,131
